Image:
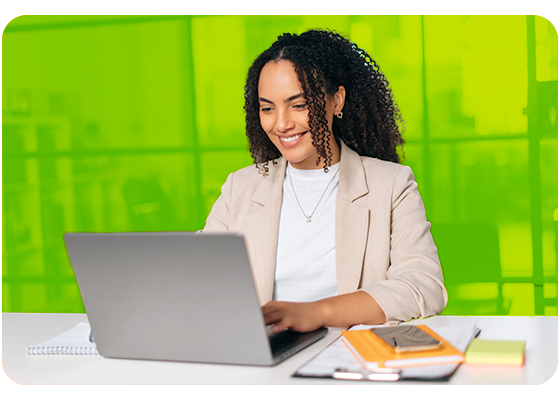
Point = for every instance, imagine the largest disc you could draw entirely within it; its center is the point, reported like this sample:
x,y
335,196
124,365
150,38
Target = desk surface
x,y
23,330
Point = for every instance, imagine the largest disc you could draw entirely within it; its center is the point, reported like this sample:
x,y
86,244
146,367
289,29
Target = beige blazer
x,y
383,241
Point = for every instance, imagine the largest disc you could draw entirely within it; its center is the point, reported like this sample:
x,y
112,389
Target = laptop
x,y
177,296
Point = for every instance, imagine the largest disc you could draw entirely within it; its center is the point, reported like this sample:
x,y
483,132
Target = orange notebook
x,y
374,353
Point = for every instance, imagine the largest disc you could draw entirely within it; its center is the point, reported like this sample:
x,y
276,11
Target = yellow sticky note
x,y
510,352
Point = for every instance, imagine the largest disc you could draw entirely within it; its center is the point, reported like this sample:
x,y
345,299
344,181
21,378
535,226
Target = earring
x,y
339,115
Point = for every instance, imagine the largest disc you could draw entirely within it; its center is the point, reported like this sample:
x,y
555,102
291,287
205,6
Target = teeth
x,y
290,139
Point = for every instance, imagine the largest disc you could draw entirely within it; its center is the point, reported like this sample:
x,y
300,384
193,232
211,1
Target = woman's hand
x,y
300,317
343,311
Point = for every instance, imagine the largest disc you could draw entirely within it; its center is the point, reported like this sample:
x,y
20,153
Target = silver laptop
x,y
175,296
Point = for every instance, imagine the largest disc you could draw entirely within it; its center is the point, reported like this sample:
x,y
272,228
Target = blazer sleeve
x,y
414,285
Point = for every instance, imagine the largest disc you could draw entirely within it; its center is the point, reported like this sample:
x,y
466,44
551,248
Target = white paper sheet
x,y
73,341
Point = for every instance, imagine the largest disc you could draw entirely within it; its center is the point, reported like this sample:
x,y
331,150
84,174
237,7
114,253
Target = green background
x,y
113,123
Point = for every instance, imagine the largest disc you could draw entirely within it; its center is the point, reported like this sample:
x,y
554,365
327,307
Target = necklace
x,y
308,217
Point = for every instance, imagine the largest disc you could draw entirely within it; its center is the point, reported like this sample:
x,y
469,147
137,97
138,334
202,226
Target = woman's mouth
x,y
289,141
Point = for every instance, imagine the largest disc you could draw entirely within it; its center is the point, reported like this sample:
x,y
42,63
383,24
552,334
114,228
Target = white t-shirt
x,y
305,258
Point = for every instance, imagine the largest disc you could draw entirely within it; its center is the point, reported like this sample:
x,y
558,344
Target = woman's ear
x,y
339,98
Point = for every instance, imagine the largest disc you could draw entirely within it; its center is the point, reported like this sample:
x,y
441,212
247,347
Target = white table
x,y
23,330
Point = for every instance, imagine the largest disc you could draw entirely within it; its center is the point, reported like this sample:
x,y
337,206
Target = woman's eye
x,y
300,106
265,109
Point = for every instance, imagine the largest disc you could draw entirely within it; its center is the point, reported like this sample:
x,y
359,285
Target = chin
x,y
304,162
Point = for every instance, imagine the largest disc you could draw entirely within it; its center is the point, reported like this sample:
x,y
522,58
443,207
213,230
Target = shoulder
x,y
377,165
389,180
362,174
386,171
252,174
373,168
247,173
247,181
387,174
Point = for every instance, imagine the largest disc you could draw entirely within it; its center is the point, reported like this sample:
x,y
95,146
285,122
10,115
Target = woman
x,y
335,228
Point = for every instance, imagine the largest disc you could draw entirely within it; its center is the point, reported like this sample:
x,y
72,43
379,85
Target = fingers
x,y
277,313
280,325
286,315
273,312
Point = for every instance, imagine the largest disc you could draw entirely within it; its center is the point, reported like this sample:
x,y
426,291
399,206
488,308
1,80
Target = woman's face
x,y
284,115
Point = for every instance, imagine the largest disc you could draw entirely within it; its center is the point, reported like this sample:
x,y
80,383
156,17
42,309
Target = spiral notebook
x,y
74,341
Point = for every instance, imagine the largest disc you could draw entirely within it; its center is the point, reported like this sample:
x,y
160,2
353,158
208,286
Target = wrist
x,y
325,312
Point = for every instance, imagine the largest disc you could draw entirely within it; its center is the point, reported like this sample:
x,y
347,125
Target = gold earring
x,y
339,115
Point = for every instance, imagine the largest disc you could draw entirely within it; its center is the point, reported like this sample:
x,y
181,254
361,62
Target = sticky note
x,y
507,352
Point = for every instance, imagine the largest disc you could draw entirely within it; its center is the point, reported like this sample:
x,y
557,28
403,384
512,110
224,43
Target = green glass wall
x,y
133,123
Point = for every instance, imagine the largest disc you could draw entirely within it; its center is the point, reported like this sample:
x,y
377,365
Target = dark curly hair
x,y
325,60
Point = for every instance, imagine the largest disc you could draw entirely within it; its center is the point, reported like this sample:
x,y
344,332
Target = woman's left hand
x,y
300,317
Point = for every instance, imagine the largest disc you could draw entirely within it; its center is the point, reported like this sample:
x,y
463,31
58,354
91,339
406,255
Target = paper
x,y
334,356
73,341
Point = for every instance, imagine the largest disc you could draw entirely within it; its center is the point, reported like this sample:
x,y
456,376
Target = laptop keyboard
x,y
283,339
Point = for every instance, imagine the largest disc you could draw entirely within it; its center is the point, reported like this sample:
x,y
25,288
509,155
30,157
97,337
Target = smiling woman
x,y
284,115
335,228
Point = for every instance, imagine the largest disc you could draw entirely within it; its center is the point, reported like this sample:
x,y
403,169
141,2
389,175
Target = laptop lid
x,y
170,296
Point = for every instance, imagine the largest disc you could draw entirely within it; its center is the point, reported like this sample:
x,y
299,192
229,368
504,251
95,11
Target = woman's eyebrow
x,y
295,96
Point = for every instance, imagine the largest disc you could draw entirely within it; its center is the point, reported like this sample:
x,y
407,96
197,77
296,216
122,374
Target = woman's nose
x,y
284,122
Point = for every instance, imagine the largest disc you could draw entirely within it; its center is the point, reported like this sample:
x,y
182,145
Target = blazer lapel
x,y
352,221
262,230
351,224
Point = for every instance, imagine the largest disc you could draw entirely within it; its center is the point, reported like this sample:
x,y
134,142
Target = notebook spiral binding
x,y
76,341
62,350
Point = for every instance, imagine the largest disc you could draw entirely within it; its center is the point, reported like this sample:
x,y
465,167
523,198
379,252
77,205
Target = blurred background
x,y
133,124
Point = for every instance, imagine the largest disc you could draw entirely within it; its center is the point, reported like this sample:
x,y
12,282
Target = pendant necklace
x,y
308,217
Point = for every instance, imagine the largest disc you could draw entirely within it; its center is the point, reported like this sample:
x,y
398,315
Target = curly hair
x,y
323,61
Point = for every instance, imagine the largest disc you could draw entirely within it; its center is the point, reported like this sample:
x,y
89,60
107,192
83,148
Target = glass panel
x,y
470,70
33,297
219,83
98,118
119,84
481,223
143,192
549,197
522,298
547,50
